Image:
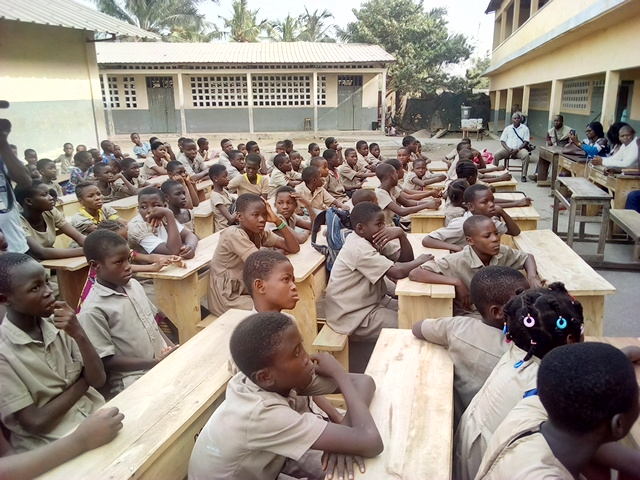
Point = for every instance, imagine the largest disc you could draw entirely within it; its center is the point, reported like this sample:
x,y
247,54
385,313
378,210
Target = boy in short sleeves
x,y
223,198
384,199
144,238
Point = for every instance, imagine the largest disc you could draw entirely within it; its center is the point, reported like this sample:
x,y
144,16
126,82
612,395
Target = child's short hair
x,y
223,141
295,153
317,161
329,154
384,170
348,151
216,170
23,193
363,213
495,285
417,161
466,155
28,151
394,162
456,190
181,140
466,140
101,167
247,199
313,146
363,195
167,186
584,385
372,145
329,141
280,144
43,163
255,340
202,142
471,223
541,319
405,149
471,192
408,140
309,173
100,243
157,144
173,165
233,154
360,144
241,146
461,146
9,262
128,162
250,145
466,169
280,159
253,159
153,139
285,189
82,186
150,191
81,157
259,265
67,143
111,225
287,144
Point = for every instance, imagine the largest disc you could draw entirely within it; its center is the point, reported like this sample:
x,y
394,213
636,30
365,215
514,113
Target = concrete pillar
x,y
533,8
503,27
250,101
96,94
526,93
384,100
314,96
183,118
516,15
507,108
496,112
611,84
107,98
555,100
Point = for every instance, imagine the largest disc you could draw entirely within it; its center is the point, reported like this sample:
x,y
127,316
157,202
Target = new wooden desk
x,y
69,205
203,219
159,180
548,157
412,408
572,163
203,188
72,274
557,262
416,300
371,183
164,412
427,221
439,166
127,207
504,186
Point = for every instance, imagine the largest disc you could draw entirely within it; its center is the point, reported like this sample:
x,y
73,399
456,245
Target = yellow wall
x,y
370,90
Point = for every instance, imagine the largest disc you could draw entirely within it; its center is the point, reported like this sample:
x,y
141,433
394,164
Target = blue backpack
x,y
338,224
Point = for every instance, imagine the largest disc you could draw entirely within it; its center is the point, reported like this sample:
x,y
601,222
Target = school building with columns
x,y
241,87
579,59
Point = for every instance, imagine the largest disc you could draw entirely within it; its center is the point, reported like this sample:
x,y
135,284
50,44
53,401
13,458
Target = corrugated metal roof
x,y
69,14
240,53
493,6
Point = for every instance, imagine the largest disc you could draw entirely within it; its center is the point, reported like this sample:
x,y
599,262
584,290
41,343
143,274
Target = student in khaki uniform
x,y
282,174
475,345
192,161
587,400
48,366
419,178
93,211
365,159
179,201
49,174
350,172
333,184
111,184
311,189
357,301
156,163
483,249
226,289
220,198
130,174
286,203
251,181
267,348
117,315
41,222
537,321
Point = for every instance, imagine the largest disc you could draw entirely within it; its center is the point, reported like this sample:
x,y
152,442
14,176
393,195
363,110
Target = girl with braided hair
x,y
536,322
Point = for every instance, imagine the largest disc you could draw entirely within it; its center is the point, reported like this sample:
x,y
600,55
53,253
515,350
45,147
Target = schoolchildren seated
x,y
179,202
252,181
66,158
192,161
49,368
48,175
141,149
351,173
178,173
357,303
286,203
131,175
333,184
110,184
93,211
156,163
282,174
80,172
420,177
220,198
312,190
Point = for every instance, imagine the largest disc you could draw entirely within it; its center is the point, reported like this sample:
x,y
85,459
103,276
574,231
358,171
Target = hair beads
x,y
561,323
529,321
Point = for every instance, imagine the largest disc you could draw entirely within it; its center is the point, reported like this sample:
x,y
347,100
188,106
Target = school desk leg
x,y
593,308
202,195
71,284
412,309
203,226
306,313
180,302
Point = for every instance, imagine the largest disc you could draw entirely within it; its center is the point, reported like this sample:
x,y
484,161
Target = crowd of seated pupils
x,y
530,399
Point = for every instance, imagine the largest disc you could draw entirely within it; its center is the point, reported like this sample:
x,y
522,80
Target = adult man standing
x,y
514,141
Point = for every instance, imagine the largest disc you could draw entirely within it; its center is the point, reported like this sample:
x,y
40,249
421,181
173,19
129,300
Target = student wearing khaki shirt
x,y
351,173
251,181
475,345
312,191
357,301
282,174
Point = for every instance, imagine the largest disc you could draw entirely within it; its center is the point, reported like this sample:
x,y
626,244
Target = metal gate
x,y
161,104
349,102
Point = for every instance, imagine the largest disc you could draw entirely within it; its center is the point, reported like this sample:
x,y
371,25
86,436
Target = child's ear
x,y
4,300
469,240
263,378
470,207
259,286
359,228
93,264
497,312
618,428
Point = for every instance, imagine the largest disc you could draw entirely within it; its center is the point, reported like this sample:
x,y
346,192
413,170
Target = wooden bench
x,y
127,207
336,344
557,262
629,221
619,185
164,412
203,219
584,195
412,408
416,300
72,274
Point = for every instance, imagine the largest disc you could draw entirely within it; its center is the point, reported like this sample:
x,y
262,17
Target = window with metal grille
x,y
220,91
349,80
575,95
322,89
114,95
281,90
129,91
539,98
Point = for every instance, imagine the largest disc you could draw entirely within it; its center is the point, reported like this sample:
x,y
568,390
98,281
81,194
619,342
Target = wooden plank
x,y
330,341
164,410
306,261
371,183
627,219
412,408
438,166
583,189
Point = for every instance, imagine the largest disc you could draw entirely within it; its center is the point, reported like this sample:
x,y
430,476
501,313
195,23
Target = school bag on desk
x,y
338,224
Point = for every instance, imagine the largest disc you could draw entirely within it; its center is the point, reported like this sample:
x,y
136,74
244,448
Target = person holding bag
x,y
515,144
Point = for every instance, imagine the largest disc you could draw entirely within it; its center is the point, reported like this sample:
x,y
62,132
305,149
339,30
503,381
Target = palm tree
x,y
314,28
287,30
163,17
243,25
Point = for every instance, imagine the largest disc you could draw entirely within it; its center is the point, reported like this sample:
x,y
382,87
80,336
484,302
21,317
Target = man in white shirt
x,y
514,141
626,156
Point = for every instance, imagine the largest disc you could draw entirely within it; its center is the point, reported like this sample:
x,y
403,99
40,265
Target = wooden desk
x,y
179,290
62,178
412,408
620,184
559,263
164,412
203,219
69,205
439,166
416,300
127,207
548,157
72,274
159,180
505,186
371,183
427,221
203,189
572,163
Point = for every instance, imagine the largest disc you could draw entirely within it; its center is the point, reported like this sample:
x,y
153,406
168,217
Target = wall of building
x,y
52,89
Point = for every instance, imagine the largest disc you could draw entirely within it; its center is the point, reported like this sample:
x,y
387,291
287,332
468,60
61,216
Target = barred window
x,y
129,90
114,95
322,89
539,98
281,90
575,95
219,91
